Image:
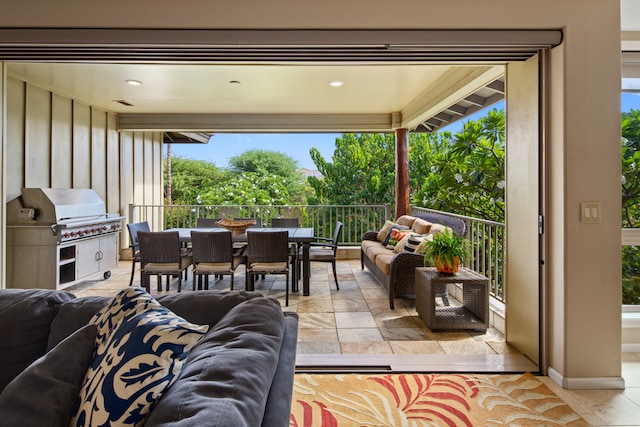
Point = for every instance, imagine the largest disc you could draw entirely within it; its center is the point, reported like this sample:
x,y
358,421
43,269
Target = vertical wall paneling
x,y
14,171
113,166
81,145
126,180
138,168
99,152
148,153
38,137
158,175
61,142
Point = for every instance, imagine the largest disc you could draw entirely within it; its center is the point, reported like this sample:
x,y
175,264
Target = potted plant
x,y
446,250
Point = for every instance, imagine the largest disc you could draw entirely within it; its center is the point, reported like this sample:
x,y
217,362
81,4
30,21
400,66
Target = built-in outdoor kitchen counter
x,y
58,237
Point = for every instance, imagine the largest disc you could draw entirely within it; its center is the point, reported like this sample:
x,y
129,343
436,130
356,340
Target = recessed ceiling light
x,y
134,82
234,82
336,83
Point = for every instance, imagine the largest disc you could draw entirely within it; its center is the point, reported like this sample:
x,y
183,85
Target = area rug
x,y
340,400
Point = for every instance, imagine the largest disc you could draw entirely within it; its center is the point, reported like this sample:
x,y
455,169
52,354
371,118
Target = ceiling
x,y
434,94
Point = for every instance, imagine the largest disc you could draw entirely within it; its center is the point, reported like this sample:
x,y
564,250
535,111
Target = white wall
x,y
583,260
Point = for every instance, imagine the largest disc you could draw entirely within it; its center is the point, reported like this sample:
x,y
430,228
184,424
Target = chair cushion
x,y
320,254
44,393
141,347
213,267
270,266
25,319
167,267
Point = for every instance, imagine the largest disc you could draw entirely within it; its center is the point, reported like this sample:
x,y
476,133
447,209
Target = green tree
x,y
249,188
362,171
189,178
274,163
461,173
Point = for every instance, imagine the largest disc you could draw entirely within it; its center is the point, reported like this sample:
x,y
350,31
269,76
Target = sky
x,y
222,147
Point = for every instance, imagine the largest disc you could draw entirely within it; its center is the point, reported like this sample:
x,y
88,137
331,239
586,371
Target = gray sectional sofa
x,y
239,374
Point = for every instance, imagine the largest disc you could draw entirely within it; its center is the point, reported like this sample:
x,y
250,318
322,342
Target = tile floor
x,y
355,327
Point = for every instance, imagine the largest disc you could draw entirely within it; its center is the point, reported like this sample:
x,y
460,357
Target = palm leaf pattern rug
x,y
414,400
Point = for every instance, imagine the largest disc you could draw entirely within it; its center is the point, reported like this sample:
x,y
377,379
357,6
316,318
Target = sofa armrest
x,y
402,273
278,408
370,235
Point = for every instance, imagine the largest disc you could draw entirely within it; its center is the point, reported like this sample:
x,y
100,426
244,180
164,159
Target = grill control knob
x,y
93,230
65,235
72,234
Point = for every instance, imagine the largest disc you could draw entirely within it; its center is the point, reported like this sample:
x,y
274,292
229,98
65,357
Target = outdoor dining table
x,y
299,235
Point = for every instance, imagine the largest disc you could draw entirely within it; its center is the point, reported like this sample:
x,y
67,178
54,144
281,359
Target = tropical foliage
x,y
631,204
461,173
362,171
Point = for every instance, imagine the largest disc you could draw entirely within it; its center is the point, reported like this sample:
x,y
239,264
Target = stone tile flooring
x,y
354,320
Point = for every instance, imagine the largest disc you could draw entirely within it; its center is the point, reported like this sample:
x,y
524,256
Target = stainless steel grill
x,y
57,237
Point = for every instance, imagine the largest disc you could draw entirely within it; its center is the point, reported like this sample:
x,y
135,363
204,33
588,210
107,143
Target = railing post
x,y
132,217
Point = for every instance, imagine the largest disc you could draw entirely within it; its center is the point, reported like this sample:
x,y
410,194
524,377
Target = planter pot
x,y
445,267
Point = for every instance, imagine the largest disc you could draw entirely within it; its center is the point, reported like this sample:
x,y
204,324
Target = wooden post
x,y
402,172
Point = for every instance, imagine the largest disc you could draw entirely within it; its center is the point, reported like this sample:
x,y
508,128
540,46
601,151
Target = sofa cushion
x,y
383,262
402,243
229,373
25,319
202,308
438,228
384,230
373,251
141,347
55,379
421,226
406,220
385,241
422,247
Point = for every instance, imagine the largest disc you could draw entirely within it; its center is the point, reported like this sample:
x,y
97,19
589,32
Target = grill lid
x,y
54,205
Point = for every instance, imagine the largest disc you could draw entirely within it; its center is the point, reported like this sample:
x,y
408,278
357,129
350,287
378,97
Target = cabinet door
x,y
109,249
87,258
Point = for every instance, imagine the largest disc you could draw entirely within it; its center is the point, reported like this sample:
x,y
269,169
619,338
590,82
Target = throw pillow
x,y
422,247
384,230
141,347
44,393
385,241
413,241
395,236
402,243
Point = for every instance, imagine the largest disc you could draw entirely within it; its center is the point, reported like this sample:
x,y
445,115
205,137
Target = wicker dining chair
x,y
267,253
133,244
208,223
324,250
161,254
213,253
285,222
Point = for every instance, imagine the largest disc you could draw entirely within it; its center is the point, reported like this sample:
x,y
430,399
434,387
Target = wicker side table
x,y
474,312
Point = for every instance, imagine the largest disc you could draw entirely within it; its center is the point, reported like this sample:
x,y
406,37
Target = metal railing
x,y
487,237
357,219
486,252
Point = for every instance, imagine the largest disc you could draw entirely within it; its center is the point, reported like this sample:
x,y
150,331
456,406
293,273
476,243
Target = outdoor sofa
x,y
238,373
394,267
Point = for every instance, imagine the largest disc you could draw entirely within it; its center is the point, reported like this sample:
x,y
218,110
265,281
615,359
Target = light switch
x,y
590,212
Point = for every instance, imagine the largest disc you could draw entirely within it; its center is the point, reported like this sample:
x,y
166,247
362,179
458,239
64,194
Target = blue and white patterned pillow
x,y
141,347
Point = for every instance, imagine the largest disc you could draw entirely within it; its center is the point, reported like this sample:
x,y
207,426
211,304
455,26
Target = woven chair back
x,y
211,246
208,223
159,247
285,222
267,246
